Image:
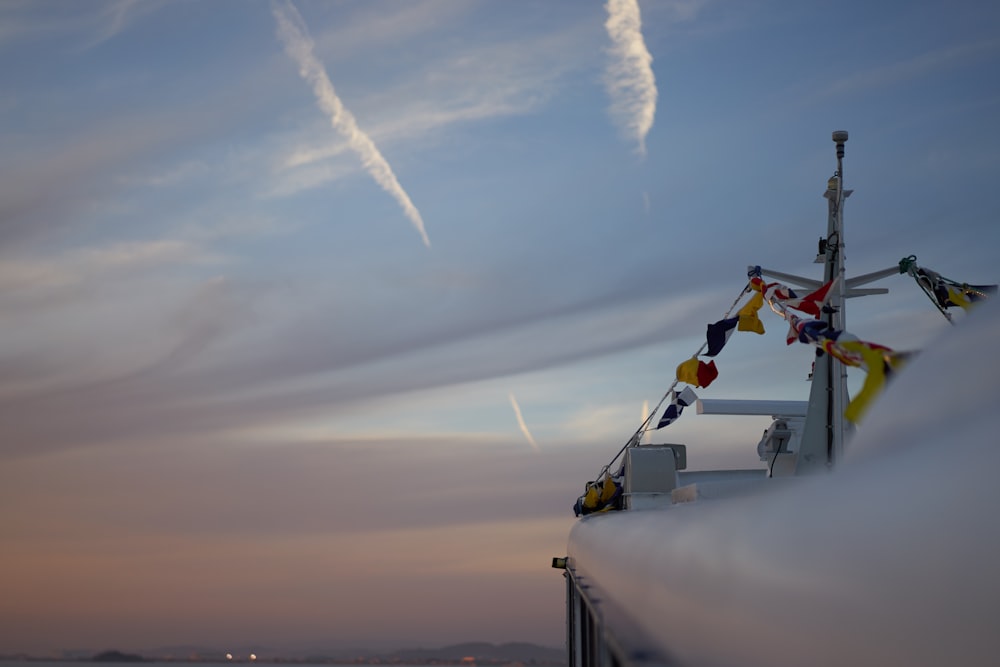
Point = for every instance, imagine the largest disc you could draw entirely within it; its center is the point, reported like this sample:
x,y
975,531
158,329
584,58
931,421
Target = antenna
x,y
840,137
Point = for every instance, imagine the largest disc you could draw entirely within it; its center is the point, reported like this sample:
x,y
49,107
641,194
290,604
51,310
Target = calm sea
x,y
176,663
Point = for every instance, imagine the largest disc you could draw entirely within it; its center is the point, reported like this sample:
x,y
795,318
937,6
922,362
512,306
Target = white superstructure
x,y
892,558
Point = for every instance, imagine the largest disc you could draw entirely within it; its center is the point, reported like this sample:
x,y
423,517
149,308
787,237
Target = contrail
x,y
645,416
630,80
299,46
520,422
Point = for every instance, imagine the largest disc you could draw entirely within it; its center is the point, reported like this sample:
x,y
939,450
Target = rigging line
x,y
965,287
924,281
637,436
933,299
912,268
955,283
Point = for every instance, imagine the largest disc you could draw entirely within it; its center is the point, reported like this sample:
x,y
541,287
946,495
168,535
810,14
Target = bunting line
x,y
944,292
596,496
878,361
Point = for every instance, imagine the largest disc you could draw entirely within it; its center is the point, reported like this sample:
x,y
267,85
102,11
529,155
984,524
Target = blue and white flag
x,y
718,334
676,407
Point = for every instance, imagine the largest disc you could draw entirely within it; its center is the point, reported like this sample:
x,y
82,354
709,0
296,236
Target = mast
x,y
825,427
825,430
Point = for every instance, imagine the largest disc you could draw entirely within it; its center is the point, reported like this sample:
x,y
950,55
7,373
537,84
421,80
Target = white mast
x,y
825,428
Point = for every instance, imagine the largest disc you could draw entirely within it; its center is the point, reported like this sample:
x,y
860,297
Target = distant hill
x,y
117,656
484,652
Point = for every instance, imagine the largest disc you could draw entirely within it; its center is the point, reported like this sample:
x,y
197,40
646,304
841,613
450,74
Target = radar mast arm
x,y
797,281
872,277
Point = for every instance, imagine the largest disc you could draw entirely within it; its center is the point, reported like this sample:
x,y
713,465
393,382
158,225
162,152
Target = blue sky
x,y
266,335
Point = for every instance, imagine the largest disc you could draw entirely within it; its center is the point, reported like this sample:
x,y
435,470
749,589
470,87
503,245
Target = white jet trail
x,y
299,46
520,422
645,416
630,79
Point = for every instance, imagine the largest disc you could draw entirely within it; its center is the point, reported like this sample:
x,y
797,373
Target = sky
x,y
318,316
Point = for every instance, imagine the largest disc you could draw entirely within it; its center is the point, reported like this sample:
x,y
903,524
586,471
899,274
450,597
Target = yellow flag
x,y
608,489
874,380
749,320
957,296
688,371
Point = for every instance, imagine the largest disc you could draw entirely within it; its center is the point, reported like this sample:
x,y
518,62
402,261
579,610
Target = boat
x,y
874,543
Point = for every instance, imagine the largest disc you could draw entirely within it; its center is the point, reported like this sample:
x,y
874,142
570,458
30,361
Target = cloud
x,y
496,76
912,68
50,187
268,367
368,28
521,424
305,176
238,489
116,17
308,155
94,23
630,79
92,337
35,281
299,46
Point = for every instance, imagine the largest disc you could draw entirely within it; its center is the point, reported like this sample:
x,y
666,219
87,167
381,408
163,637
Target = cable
x,y
637,436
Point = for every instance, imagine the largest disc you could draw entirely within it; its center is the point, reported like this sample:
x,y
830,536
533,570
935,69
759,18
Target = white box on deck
x,y
650,475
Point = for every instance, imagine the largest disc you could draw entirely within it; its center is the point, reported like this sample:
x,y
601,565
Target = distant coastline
x,y
117,656
469,655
